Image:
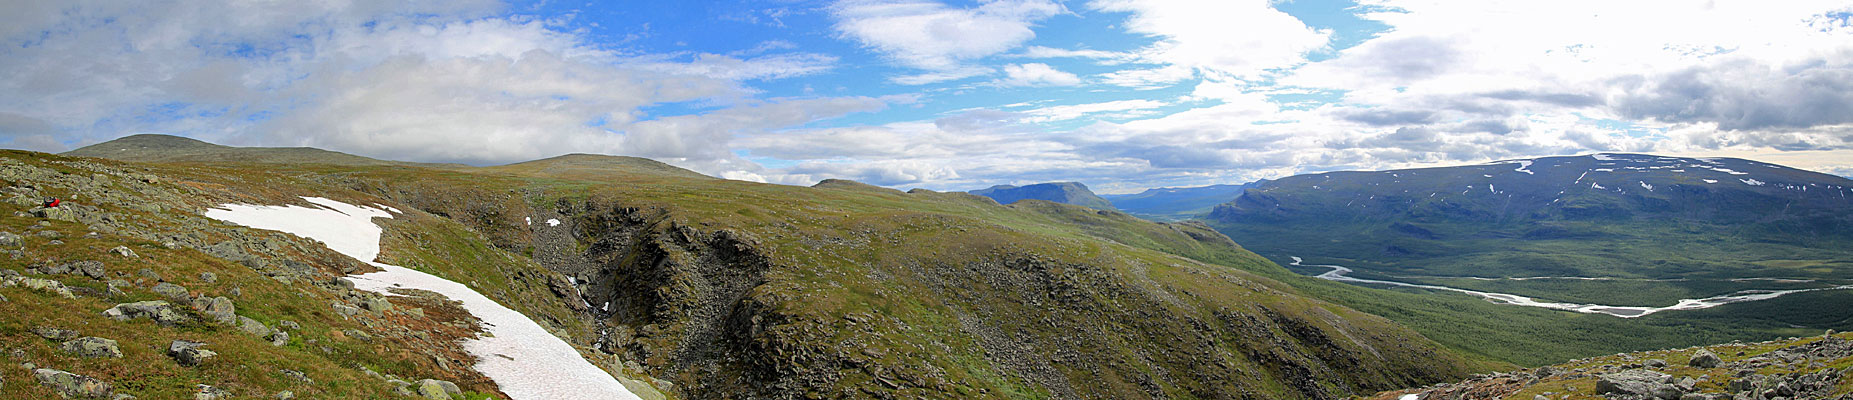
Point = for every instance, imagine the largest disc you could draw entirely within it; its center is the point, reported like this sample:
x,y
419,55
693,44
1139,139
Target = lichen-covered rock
x,y
93,347
219,309
279,338
1634,382
253,327
170,291
10,239
72,385
207,392
188,354
1704,359
434,389
39,284
208,277
50,333
92,269
160,311
124,251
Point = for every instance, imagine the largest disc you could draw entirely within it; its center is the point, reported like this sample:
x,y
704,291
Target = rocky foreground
x,y
1796,368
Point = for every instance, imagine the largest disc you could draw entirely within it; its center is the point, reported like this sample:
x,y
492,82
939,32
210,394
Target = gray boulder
x,y
93,347
92,269
208,277
437,389
72,385
1635,382
188,354
171,291
1704,359
9,239
1656,363
50,333
253,327
219,309
279,338
207,392
160,311
124,251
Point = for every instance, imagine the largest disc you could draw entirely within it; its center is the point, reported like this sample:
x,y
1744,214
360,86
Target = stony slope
x,y
1060,192
735,289
1819,367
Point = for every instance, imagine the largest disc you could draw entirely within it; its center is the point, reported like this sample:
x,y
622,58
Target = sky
x,y
1121,95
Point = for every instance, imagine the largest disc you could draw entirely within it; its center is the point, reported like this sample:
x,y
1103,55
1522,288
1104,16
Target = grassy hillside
x,y
724,288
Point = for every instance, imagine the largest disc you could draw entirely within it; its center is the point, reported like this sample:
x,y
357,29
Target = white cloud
x,y
931,36
1036,74
423,82
1234,38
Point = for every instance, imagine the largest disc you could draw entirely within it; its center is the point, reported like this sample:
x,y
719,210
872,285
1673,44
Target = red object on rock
x,y
53,203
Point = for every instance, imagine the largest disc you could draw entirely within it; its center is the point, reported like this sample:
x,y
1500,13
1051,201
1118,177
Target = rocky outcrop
x,y
189,354
160,311
73,386
93,347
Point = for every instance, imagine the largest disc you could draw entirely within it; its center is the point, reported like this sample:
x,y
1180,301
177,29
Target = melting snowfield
x,y
523,359
1338,274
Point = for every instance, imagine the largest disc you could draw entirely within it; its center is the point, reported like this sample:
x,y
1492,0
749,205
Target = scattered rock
x,y
148,274
1656,363
436,389
279,338
376,304
253,327
124,251
298,376
346,310
219,309
1633,382
285,395
207,392
288,324
188,354
92,269
39,284
1704,359
171,291
208,277
160,311
10,239
73,385
51,333
93,347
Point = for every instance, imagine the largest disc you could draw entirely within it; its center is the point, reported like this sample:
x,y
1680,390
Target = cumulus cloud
x,y
932,36
1237,38
1036,74
422,81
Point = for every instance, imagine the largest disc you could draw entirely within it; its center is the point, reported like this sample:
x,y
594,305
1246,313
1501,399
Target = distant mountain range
x,y
1158,204
1060,192
1176,204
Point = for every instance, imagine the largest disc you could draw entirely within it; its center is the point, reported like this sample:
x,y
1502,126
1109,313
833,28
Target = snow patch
x,y
1605,170
553,222
388,208
529,220
1594,185
1649,188
1603,157
1710,180
521,358
1752,182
